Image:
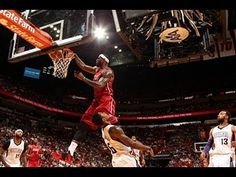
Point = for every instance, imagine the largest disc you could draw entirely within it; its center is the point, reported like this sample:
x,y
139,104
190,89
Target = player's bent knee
x,y
83,126
81,132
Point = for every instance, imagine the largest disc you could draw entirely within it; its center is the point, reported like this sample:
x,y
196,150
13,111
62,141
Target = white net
x,y
61,68
61,60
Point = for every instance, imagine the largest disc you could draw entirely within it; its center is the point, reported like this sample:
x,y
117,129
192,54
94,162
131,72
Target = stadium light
x,y
99,33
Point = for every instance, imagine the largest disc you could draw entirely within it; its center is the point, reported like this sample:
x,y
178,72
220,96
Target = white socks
x,y
72,147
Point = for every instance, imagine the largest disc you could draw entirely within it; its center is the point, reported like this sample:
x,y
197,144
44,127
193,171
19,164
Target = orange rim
x,y
65,55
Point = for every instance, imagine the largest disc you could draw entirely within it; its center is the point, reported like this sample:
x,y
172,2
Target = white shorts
x,y
14,165
124,161
221,160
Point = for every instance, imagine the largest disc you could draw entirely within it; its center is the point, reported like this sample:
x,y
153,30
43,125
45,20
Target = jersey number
x,y
17,156
224,141
113,150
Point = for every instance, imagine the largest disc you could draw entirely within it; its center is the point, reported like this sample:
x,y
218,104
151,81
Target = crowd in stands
x,y
55,141
142,105
23,88
176,140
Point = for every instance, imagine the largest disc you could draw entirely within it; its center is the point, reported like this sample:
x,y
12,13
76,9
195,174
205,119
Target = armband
x,y
208,146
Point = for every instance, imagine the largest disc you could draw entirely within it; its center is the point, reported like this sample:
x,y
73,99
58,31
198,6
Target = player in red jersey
x,y
34,154
103,96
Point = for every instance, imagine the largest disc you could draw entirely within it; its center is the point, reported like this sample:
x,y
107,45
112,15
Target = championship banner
x,y
226,48
25,29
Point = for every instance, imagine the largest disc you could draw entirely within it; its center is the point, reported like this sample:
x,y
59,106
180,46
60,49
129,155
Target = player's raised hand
x,y
79,75
202,155
150,152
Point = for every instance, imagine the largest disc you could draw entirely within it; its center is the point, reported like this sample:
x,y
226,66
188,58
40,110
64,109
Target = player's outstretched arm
x,y
83,66
118,134
207,148
95,84
234,132
142,158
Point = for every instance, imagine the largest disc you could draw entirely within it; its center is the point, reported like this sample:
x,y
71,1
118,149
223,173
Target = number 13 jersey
x,y
222,138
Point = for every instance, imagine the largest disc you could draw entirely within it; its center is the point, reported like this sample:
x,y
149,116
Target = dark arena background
x,y
169,88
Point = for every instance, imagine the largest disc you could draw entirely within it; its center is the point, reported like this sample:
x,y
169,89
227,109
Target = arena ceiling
x,y
140,35
138,38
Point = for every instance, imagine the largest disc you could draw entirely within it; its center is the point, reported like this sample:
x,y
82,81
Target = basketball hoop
x,y
61,59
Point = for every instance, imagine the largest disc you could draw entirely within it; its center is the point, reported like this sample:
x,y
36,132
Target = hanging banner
x,y
226,48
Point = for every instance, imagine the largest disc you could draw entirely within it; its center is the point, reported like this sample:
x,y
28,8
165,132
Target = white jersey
x,y
114,146
121,154
13,153
222,138
136,153
211,153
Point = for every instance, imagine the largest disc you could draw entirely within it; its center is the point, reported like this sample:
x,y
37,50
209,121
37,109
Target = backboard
x,y
68,28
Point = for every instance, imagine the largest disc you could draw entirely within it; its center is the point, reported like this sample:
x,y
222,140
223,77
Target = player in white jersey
x,y
139,155
118,143
211,154
13,152
221,136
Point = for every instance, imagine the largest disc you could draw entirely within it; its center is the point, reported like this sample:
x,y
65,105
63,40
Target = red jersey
x,y
107,90
34,153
